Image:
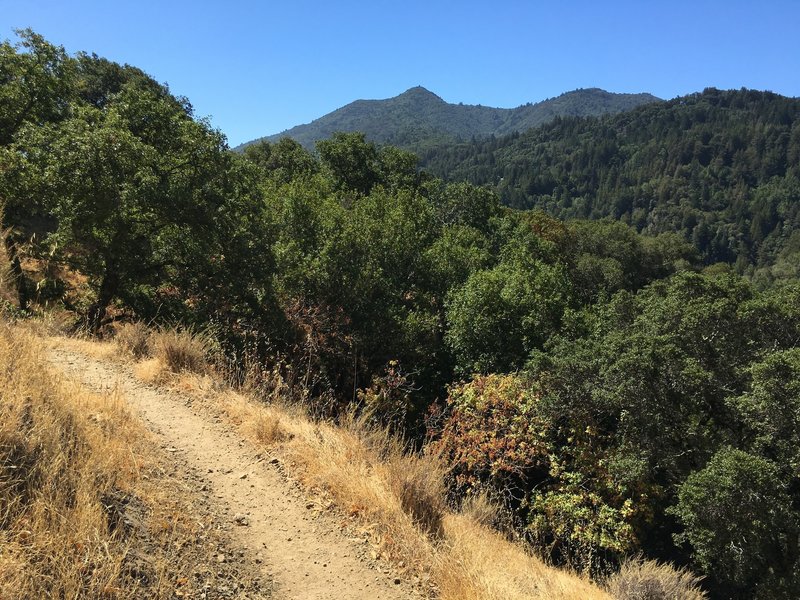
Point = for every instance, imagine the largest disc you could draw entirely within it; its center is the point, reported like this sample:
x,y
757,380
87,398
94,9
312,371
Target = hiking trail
x,y
306,554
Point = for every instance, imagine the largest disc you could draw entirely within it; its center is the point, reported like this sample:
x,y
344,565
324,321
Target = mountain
x,y
418,119
720,167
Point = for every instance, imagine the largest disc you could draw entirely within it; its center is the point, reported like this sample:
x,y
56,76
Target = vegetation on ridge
x,y
418,120
722,168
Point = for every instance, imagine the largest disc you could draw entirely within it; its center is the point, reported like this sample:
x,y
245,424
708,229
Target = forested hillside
x,y
719,167
615,394
418,119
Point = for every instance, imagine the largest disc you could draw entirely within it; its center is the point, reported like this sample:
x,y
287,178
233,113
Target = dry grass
x,y
84,509
649,580
61,453
182,350
133,339
8,292
86,346
167,356
480,509
480,564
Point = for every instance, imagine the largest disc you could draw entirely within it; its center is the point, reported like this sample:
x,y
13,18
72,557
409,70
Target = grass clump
x,y
640,579
133,339
417,480
183,350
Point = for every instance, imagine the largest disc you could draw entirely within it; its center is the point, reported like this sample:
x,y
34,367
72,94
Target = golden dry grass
x,y
8,292
72,464
182,350
133,339
100,350
480,564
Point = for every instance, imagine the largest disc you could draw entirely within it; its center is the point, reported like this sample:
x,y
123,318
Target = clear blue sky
x,y
256,68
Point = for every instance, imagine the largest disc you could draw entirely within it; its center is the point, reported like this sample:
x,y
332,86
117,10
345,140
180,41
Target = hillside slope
x,y
418,119
719,167
281,509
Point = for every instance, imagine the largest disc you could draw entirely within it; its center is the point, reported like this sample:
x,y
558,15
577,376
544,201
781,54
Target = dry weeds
x,y
7,291
62,454
133,339
182,350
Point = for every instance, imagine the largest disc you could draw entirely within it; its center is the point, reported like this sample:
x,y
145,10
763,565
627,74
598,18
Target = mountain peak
x,y
419,92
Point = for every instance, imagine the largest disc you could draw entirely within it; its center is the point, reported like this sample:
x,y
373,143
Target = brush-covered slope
x,y
418,119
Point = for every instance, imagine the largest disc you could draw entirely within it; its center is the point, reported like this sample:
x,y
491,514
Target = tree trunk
x,y
20,282
108,290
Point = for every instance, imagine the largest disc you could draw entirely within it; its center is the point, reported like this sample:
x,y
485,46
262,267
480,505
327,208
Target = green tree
x,y
36,80
738,522
135,189
284,161
500,315
352,162
35,83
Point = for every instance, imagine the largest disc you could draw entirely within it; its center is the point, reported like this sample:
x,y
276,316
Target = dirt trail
x,y
307,557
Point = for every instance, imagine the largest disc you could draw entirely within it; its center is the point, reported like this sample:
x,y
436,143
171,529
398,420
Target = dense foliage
x,y
619,398
417,119
722,168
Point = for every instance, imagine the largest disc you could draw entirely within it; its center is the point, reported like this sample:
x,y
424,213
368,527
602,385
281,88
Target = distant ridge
x,y
418,119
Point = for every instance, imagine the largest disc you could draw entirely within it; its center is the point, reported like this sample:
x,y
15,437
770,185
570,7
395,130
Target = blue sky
x,y
256,68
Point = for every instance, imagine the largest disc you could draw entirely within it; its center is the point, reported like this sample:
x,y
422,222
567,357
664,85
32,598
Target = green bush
x,y
737,521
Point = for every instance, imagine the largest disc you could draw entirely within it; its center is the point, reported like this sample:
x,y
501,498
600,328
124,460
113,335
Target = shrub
x,y
640,579
388,399
491,433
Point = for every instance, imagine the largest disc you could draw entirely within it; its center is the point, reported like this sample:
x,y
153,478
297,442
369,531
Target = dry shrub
x,y
183,349
640,579
133,340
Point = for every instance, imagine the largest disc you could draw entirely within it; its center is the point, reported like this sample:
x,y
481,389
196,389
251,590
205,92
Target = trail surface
x,y
307,557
